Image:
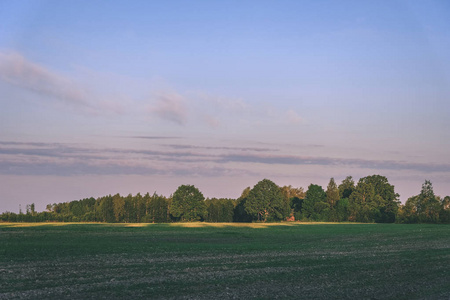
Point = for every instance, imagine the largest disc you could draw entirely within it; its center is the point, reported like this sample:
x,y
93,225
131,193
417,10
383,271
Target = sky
x,y
106,97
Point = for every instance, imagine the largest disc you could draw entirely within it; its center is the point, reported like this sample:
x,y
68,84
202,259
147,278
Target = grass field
x,y
222,261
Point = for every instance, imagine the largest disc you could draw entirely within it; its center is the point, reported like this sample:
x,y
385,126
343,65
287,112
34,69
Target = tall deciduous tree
x,y
342,210
315,203
428,205
106,208
374,200
386,199
266,201
140,207
332,200
444,215
188,204
157,209
219,210
408,213
347,187
294,196
130,211
239,212
332,193
362,202
119,207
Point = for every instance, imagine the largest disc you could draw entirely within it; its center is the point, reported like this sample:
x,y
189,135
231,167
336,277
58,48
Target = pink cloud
x,y
172,107
17,70
293,117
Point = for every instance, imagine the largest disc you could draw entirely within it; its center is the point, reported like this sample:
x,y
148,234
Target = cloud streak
x,y
293,117
61,161
330,161
17,70
256,149
172,107
65,160
156,137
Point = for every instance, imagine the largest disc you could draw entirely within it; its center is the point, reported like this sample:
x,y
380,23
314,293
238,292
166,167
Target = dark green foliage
x,y
444,215
332,200
119,207
106,209
332,193
387,201
342,210
362,203
219,210
239,213
346,188
266,202
427,204
140,207
76,208
423,208
294,197
315,206
130,209
157,209
296,205
408,213
188,204
374,200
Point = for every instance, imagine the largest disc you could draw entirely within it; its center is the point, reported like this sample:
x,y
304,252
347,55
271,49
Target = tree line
x,y
371,199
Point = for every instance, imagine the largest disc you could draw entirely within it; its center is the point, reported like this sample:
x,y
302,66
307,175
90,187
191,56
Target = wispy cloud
x,y
172,107
41,159
209,110
65,160
156,137
293,117
331,161
216,110
17,70
38,144
222,103
211,121
256,149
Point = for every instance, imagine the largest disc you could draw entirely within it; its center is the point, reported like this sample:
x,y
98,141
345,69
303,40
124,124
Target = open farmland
x,y
209,261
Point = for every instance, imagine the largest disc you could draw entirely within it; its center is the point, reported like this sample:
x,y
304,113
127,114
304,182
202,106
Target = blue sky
x,y
100,97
